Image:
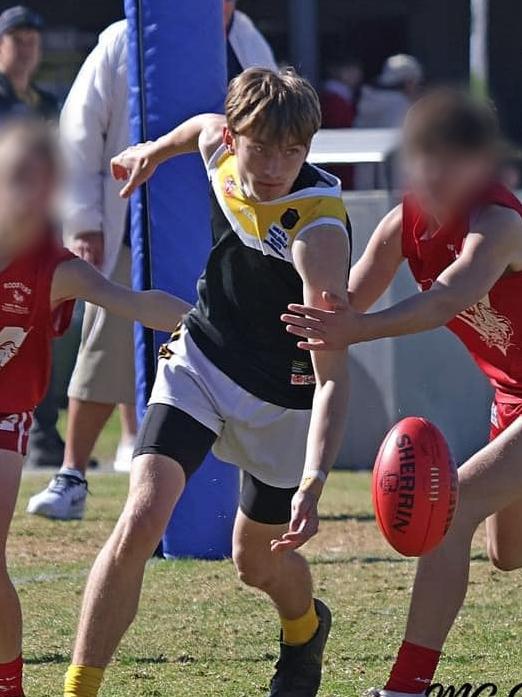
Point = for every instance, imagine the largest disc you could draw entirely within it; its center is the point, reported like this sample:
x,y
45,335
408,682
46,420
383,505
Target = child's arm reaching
x,y
137,164
76,279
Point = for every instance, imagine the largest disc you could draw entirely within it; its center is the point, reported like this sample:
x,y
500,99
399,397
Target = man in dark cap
x,y
20,55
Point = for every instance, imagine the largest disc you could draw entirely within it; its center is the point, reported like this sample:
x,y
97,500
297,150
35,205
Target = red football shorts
x,y
14,431
502,416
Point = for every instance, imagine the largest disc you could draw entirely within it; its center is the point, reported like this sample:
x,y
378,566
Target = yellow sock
x,y
299,632
82,681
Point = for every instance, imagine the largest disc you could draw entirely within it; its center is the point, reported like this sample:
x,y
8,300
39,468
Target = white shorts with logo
x,y
263,439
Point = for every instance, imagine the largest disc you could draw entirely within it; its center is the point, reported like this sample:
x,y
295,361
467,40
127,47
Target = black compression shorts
x,y
173,433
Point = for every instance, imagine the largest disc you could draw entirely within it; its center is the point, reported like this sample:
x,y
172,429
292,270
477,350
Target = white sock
x,y
72,472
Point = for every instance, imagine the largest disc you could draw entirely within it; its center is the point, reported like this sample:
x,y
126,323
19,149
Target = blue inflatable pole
x,y
177,69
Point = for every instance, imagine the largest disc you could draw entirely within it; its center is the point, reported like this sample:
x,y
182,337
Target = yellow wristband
x,y
313,480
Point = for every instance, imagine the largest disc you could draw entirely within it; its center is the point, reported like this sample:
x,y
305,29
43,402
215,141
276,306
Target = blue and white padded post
x,y
177,68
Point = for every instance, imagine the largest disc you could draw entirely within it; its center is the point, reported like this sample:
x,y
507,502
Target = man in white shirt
x,y
95,127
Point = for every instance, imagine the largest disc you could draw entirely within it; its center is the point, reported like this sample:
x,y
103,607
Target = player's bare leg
x,y
504,537
85,421
490,481
10,612
285,577
113,589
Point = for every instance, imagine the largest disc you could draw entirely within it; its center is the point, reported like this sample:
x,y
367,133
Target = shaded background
x,y
311,33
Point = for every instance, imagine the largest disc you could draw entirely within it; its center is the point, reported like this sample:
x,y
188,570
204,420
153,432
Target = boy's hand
x,y
135,165
89,246
304,524
325,330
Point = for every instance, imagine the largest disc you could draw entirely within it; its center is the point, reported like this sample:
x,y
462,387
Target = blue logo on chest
x,y
277,240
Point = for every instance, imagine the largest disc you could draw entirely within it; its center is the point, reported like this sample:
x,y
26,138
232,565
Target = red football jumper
x,y
491,330
27,326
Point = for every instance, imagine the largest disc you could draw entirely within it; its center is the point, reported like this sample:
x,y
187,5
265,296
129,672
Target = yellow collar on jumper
x,y
272,227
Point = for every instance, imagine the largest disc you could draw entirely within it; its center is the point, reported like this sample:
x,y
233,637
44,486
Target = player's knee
x,y
253,571
138,533
504,559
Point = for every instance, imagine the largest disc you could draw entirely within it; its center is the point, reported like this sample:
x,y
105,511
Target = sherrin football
x,y
415,487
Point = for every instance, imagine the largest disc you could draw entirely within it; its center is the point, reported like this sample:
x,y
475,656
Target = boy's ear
x,y
228,140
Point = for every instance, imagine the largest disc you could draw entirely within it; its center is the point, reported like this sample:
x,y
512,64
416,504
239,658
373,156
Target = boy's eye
x,y
258,148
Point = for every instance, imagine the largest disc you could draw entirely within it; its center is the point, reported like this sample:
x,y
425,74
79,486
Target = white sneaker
x,y
124,453
64,498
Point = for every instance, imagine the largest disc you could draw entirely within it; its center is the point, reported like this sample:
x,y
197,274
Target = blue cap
x,y
20,17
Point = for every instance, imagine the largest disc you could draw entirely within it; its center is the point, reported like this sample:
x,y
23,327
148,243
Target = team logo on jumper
x,y
230,186
11,338
495,330
277,239
248,213
301,374
290,218
19,295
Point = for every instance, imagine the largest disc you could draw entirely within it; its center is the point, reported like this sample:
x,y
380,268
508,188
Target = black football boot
x,y
299,669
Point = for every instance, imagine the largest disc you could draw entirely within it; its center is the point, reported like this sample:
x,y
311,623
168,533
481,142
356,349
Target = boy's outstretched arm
x,y
137,164
321,257
76,279
492,249
369,279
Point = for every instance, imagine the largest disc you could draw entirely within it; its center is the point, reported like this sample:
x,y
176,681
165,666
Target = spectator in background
x,y
246,46
20,55
94,128
340,94
384,105
339,98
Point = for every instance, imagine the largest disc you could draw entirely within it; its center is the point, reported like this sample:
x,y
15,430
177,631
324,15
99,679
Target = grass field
x,y
199,633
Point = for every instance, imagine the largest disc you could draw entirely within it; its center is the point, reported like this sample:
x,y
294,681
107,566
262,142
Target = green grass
x,y
199,633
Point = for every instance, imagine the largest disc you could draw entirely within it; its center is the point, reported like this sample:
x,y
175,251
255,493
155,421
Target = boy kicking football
x,y
460,230
39,281
234,380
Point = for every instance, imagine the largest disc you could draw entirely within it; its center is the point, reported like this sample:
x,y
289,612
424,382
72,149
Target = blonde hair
x,y
278,107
